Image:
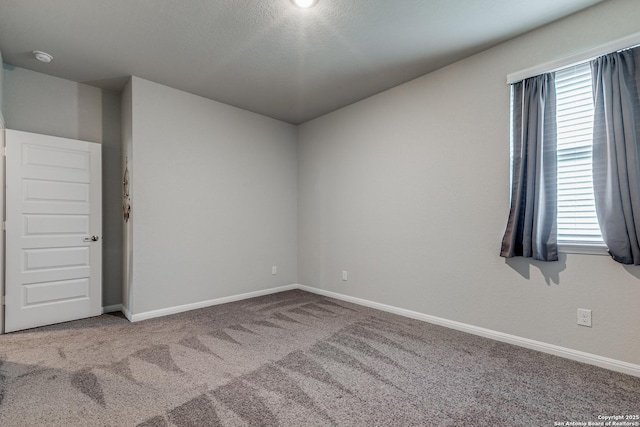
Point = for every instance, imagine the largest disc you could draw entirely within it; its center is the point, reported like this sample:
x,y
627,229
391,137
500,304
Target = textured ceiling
x,y
264,56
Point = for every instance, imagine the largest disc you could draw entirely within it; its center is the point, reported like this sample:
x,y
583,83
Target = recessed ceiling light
x,y
42,56
305,4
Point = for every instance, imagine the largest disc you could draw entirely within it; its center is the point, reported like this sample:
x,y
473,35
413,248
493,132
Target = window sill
x,y
575,248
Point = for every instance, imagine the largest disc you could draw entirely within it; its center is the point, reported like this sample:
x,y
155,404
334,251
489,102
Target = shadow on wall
x,y
550,270
97,117
112,196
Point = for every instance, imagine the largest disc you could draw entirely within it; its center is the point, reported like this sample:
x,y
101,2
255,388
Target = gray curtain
x,y
616,145
532,225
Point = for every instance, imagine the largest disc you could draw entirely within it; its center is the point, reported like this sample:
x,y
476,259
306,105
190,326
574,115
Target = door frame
x,y
3,215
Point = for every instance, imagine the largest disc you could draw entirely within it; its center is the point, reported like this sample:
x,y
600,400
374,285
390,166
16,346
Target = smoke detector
x,y
42,56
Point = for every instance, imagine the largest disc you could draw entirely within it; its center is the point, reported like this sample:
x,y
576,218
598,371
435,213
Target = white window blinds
x,y
577,220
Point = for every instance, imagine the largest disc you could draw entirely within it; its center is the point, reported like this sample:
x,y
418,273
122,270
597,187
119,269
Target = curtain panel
x,y
616,148
532,224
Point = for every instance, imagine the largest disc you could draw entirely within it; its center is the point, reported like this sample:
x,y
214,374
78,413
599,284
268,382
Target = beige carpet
x,y
291,359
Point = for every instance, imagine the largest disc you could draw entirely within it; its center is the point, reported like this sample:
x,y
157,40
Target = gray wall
x,y
36,102
127,162
409,192
213,192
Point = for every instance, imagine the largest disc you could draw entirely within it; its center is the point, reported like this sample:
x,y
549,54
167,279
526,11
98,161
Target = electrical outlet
x,y
274,269
584,317
345,275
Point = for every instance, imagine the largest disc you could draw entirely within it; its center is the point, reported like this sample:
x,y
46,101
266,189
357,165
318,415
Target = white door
x,y
54,228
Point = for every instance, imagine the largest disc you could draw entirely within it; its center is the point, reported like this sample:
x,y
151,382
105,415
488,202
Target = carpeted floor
x,y
292,359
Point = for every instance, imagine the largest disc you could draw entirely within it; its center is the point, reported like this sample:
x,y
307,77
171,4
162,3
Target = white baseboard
x,y
126,312
580,356
201,304
111,308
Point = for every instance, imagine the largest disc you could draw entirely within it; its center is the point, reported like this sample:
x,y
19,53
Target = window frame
x,y
625,42
567,248
583,249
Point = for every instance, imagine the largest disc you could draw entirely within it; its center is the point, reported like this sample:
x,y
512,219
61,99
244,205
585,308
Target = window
x,y
592,144
577,220
578,230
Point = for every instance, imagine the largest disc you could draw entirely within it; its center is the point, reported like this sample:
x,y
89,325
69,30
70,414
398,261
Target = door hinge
x,y
3,300
4,225
3,151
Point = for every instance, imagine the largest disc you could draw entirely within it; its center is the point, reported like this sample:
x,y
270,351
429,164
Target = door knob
x,y
92,239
